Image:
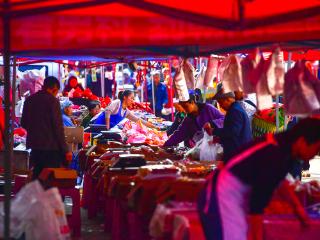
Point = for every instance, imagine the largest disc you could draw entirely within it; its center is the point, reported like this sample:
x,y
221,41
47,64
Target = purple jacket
x,y
191,125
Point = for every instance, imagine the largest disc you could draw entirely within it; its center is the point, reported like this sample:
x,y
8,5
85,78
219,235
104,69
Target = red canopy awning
x,y
178,27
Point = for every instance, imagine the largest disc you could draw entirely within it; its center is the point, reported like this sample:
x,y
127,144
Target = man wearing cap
x,y
42,119
160,94
236,129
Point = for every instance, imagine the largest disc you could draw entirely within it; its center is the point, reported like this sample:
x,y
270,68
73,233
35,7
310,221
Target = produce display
x,y
141,106
88,95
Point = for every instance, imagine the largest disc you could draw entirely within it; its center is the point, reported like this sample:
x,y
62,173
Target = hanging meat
x,y
264,98
248,65
232,76
275,73
211,71
180,84
200,78
301,91
188,71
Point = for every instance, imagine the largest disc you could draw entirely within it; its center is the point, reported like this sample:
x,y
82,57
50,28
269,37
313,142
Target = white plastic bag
x,y
37,213
55,201
209,151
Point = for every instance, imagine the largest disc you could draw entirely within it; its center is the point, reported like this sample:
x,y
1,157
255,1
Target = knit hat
x,y
222,94
66,103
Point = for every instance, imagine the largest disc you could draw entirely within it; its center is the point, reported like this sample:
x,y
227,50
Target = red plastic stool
x,y
74,220
19,182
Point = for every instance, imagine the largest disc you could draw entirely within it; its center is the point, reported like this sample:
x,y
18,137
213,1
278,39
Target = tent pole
x,y
171,91
277,113
288,67
153,100
102,81
8,145
13,102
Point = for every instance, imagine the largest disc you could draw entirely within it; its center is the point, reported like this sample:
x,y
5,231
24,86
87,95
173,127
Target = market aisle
x,y
92,229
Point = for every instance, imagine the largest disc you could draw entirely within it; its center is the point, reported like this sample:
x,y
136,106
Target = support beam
x,y
8,139
55,8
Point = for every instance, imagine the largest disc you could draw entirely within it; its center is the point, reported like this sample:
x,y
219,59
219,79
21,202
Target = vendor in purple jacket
x,y
198,115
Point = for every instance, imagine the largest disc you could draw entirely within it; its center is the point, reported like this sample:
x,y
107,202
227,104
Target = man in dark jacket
x,y
236,129
42,119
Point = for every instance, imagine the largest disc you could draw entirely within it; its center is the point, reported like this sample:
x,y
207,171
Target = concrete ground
x,y
92,229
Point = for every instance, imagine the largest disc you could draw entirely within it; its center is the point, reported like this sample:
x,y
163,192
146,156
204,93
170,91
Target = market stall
x,y
168,25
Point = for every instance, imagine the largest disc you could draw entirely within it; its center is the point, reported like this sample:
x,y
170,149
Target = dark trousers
x,y
41,159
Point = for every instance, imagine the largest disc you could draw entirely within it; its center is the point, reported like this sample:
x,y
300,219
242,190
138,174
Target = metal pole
x,y
171,92
102,81
8,144
13,103
153,100
277,114
288,68
142,80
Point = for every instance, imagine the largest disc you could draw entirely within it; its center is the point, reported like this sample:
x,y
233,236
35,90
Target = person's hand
x,y
207,127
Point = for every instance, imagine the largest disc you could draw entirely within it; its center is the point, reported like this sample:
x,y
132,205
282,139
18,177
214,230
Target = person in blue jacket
x,y
236,129
66,110
160,94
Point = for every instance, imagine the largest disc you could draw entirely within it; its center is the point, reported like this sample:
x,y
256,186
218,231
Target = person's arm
x,y
108,119
217,118
57,125
134,118
181,134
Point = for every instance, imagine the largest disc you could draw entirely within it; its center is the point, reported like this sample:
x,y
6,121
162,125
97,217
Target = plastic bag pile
x,y
138,133
38,213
